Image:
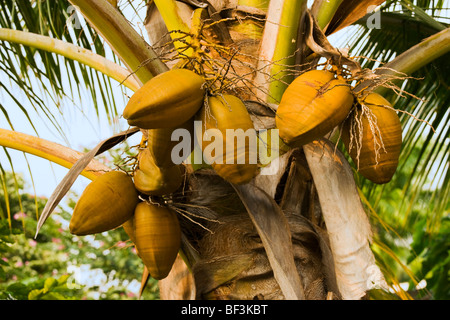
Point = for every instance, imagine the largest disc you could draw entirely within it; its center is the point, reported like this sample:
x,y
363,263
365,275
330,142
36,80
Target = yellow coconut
x,y
232,149
128,226
153,180
161,142
312,105
373,137
158,238
105,204
166,101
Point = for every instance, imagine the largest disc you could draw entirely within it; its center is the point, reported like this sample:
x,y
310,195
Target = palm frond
x,y
422,179
45,76
424,158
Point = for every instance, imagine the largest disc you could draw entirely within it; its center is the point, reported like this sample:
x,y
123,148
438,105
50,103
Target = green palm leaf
x,y
400,30
422,179
42,75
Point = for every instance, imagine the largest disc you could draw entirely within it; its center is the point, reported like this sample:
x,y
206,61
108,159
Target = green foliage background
x,y
410,249
39,268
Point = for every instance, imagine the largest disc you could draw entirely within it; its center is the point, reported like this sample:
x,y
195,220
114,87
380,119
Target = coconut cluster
x,y
170,101
318,101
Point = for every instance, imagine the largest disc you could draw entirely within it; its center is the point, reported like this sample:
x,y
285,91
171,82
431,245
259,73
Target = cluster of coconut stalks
x,y
212,83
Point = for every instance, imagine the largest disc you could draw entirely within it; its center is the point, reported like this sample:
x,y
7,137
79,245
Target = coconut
x,y
312,105
166,101
373,137
158,237
228,125
105,204
151,179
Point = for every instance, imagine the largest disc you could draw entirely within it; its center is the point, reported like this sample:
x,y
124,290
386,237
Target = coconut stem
x,y
324,11
123,39
177,27
278,46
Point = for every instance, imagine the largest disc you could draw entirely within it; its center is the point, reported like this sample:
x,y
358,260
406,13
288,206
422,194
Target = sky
x,y
78,121
80,130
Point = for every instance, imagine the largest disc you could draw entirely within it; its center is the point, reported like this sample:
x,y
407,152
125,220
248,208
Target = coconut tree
x,y
299,229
